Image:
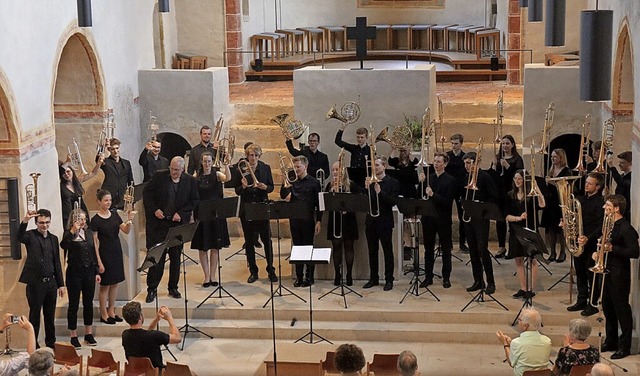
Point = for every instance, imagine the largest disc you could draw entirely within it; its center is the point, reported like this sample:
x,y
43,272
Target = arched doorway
x,y
8,139
570,143
173,145
623,90
79,104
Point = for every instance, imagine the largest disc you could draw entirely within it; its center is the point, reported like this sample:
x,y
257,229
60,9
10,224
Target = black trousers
x,y
42,297
302,232
615,304
251,230
80,280
584,277
154,276
501,231
477,232
461,232
375,237
430,227
336,253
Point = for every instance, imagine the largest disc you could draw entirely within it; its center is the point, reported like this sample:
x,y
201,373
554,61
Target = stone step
x,y
258,113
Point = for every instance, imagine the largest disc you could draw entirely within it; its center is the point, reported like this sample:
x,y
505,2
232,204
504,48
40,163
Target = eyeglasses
x,y
44,222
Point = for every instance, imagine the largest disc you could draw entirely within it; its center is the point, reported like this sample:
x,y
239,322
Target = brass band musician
x,y
195,155
317,159
455,168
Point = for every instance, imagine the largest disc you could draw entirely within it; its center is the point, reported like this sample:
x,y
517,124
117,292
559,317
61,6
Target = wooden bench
x,y
396,30
488,40
453,37
439,37
313,34
385,30
265,43
417,39
294,39
335,36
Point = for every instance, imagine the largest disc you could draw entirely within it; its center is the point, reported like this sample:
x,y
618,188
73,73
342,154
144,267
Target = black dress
x,y
210,234
68,199
110,250
516,207
551,214
348,220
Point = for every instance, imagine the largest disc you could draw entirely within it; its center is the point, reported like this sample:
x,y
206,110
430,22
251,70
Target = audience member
x,y
531,350
601,369
408,363
21,361
145,343
576,351
41,364
349,359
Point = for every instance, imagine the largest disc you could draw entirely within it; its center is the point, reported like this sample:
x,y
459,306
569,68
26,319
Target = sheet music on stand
x,y
306,254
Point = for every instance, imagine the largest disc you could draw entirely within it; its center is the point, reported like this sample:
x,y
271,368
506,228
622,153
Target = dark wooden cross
x,y
361,33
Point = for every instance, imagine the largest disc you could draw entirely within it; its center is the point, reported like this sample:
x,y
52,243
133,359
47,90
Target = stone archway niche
x,y
623,90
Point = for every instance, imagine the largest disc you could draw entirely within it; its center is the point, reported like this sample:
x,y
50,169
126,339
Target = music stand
x,y
153,255
277,210
338,203
412,207
484,211
533,248
212,210
177,236
306,254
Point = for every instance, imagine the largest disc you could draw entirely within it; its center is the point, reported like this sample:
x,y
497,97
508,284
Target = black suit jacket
x,y
32,272
116,182
155,196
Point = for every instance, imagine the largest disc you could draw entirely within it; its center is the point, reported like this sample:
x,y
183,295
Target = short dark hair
x,y
470,155
204,127
618,201
362,130
44,213
101,193
114,141
626,155
300,158
457,136
314,134
444,156
349,358
598,176
131,312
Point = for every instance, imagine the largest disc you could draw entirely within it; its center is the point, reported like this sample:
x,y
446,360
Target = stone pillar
x,y
514,38
233,30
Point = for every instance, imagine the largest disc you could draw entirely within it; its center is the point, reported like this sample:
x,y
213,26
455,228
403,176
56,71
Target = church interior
x,y
67,67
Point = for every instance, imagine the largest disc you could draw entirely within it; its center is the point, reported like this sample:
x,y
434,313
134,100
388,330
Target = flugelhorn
x,y
546,130
31,193
291,127
76,158
400,136
287,169
349,113
374,204
153,127
129,199
246,171
584,145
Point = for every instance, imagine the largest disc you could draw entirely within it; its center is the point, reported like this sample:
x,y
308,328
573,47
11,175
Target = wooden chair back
x,y
67,355
540,372
139,366
176,369
328,365
581,370
384,365
104,361
198,62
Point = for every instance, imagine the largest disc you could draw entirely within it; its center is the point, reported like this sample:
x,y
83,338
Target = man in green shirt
x,y
531,350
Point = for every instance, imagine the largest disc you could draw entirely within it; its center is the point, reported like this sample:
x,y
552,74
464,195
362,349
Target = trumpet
x,y
224,153
374,206
129,199
288,170
472,183
107,133
76,159
320,176
31,193
443,139
245,171
291,127
400,136
546,131
584,145
153,127
349,113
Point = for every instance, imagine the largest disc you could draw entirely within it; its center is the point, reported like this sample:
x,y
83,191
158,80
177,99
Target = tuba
x,y
349,113
245,171
291,127
129,199
76,159
546,131
31,192
287,169
584,145
571,213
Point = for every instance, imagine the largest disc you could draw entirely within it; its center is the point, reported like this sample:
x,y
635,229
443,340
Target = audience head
x,y
132,313
407,363
579,329
41,363
601,369
349,358
530,319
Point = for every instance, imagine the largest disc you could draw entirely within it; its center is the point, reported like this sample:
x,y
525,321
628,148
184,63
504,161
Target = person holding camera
x,y
21,361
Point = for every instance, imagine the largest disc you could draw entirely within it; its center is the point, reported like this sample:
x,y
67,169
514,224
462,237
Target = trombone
x,y
581,167
245,171
472,182
425,148
320,176
374,206
498,129
443,139
288,170
339,184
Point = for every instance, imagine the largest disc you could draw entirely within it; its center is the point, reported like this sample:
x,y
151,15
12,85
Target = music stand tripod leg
x,y
186,326
219,289
341,286
528,298
311,333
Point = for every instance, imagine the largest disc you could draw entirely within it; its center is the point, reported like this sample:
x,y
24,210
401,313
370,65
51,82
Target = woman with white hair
x,y
41,364
576,351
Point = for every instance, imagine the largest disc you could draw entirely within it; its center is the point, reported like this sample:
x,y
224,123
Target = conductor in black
x,y
441,189
477,229
623,246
